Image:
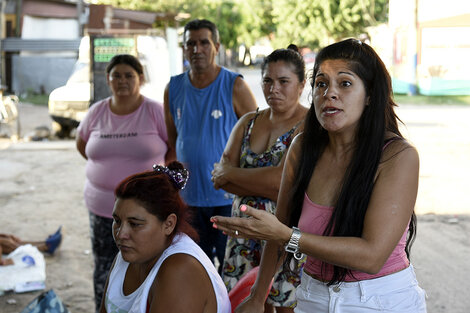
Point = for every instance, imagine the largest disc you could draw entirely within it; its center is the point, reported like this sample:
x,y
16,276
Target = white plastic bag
x,y
28,272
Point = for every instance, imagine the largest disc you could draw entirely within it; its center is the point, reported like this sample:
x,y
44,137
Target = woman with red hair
x,y
159,268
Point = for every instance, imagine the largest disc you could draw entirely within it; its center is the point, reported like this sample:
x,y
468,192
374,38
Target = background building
x,y
40,41
430,46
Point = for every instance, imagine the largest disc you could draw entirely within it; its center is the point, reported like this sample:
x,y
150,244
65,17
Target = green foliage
x,y
310,23
316,23
257,20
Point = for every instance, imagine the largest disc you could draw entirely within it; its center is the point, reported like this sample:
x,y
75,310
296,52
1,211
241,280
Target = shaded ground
x,y
42,182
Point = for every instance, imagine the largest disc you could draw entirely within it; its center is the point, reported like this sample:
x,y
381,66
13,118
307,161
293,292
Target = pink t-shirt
x,y
118,146
314,219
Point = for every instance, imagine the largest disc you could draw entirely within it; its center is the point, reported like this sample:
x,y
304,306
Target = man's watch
x,y
293,244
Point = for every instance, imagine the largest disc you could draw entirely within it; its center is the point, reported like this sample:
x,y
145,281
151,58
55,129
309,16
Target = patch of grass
x,y
420,99
38,99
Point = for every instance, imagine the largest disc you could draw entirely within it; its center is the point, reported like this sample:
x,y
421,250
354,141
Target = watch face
x,y
298,256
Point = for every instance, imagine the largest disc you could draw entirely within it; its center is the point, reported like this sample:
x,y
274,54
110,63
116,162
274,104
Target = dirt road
x,y
41,188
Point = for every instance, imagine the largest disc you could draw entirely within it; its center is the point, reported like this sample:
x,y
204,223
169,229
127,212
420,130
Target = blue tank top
x,y
203,119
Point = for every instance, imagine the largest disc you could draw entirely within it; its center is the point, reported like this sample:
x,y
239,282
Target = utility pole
x,y
2,61
80,17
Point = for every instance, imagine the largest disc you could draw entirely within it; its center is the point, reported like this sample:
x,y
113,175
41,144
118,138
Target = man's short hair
x,y
199,24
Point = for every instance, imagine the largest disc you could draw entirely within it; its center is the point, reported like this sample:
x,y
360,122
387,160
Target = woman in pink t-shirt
x,y
349,183
120,136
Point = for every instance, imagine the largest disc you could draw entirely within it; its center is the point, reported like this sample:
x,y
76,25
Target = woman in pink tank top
x,y
347,196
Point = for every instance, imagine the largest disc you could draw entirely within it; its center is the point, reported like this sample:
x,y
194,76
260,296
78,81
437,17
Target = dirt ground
x,y
41,187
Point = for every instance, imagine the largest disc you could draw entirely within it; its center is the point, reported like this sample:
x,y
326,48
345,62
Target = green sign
x,y
105,48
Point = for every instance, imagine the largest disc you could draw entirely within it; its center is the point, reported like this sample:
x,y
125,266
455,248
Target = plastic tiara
x,y
179,177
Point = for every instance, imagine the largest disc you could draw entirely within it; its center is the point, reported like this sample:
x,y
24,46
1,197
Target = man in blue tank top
x,y
201,107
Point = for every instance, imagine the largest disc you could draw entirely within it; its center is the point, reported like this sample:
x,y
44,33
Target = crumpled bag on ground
x,y
28,272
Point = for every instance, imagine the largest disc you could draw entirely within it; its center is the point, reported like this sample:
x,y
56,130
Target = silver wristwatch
x,y
293,244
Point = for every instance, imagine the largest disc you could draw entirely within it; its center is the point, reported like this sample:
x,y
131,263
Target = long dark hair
x,y
157,193
378,118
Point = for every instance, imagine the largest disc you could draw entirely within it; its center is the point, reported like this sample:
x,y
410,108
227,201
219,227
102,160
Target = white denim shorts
x,y
397,292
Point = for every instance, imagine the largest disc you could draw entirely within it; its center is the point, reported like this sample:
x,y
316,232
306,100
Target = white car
x,y
69,104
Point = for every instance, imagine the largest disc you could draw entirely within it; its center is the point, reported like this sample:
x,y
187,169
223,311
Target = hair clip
x,y
179,177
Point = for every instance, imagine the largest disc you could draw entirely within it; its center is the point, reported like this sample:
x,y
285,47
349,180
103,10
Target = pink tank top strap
x,y
389,141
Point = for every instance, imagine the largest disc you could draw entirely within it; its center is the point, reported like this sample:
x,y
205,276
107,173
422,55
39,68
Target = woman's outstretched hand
x,y
259,225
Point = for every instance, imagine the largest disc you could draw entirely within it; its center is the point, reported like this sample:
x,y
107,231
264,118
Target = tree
x,y
238,21
312,23
316,23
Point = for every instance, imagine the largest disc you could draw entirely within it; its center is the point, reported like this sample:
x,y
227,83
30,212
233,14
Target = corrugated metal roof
x,y
19,44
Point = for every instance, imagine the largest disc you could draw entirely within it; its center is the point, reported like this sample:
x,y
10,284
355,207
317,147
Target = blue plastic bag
x,y
48,302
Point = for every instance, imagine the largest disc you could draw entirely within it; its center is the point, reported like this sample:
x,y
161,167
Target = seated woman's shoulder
x,y
182,265
182,274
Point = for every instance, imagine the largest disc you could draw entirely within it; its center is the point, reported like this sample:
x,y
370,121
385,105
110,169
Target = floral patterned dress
x,y
242,255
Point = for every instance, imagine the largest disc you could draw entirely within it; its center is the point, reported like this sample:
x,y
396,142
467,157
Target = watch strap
x,y
293,245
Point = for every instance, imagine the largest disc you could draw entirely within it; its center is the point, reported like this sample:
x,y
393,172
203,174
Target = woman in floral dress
x,y
252,164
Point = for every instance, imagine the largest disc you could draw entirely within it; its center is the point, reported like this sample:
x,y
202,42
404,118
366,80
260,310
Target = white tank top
x,y
136,302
